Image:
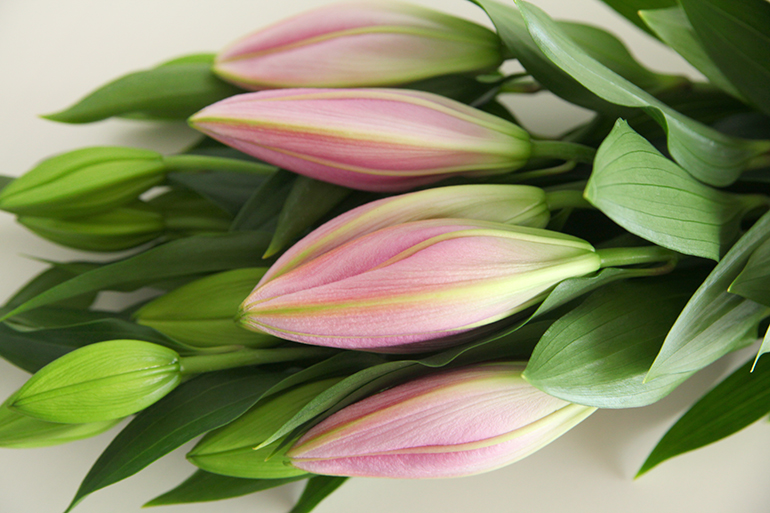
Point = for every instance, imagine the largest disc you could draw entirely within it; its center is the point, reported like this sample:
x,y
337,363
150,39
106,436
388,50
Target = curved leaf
x,y
316,490
630,9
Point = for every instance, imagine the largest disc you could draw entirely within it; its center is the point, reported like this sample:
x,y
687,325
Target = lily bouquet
x,y
366,265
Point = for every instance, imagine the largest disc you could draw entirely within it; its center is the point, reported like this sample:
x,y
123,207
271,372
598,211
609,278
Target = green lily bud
x,y
114,230
98,382
83,182
202,313
18,431
230,450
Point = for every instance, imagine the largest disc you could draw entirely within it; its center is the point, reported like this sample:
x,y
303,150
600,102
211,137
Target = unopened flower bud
x,y
202,313
83,182
368,139
408,287
98,382
454,423
359,45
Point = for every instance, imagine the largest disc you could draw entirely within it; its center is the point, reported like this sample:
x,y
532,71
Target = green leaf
x,y
630,8
308,201
32,350
51,277
203,487
714,322
673,28
599,353
266,202
763,348
462,88
195,407
736,35
611,52
513,32
316,490
708,155
653,198
754,280
229,191
5,180
184,257
738,401
171,91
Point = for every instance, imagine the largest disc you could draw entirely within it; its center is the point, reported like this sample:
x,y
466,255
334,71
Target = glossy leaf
x,y
203,487
316,490
513,32
738,401
184,257
265,203
630,8
714,322
598,354
736,35
173,90
308,201
195,407
754,280
708,155
673,28
611,52
653,198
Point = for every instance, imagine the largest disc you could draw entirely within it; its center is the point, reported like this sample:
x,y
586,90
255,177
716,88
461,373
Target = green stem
x,y
247,357
557,200
562,150
618,257
203,163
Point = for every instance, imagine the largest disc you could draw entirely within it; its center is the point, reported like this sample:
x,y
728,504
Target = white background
x,y
54,52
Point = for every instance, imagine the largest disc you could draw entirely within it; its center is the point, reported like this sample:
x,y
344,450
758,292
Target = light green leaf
x,y
754,280
610,51
738,401
204,486
673,28
175,90
714,322
599,353
736,35
653,198
708,155
630,9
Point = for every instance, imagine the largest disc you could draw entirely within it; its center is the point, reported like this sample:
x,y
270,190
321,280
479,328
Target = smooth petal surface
x,y
415,282
358,45
368,139
454,423
520,205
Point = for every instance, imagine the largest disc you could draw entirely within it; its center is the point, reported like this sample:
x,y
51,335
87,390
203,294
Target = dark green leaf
x,y
708,155
200,405
754,280
228,190
31,350
203,487
598,353
175,90
610,51
463,88
714,322
265,203
653,198
630,8
672,27
49,278
736,402
513,32
736,35
183,257
308,201
316,490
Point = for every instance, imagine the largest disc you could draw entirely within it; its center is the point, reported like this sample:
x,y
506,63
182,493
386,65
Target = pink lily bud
x,y
359,45
368,139
455,423
521,205
408,287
